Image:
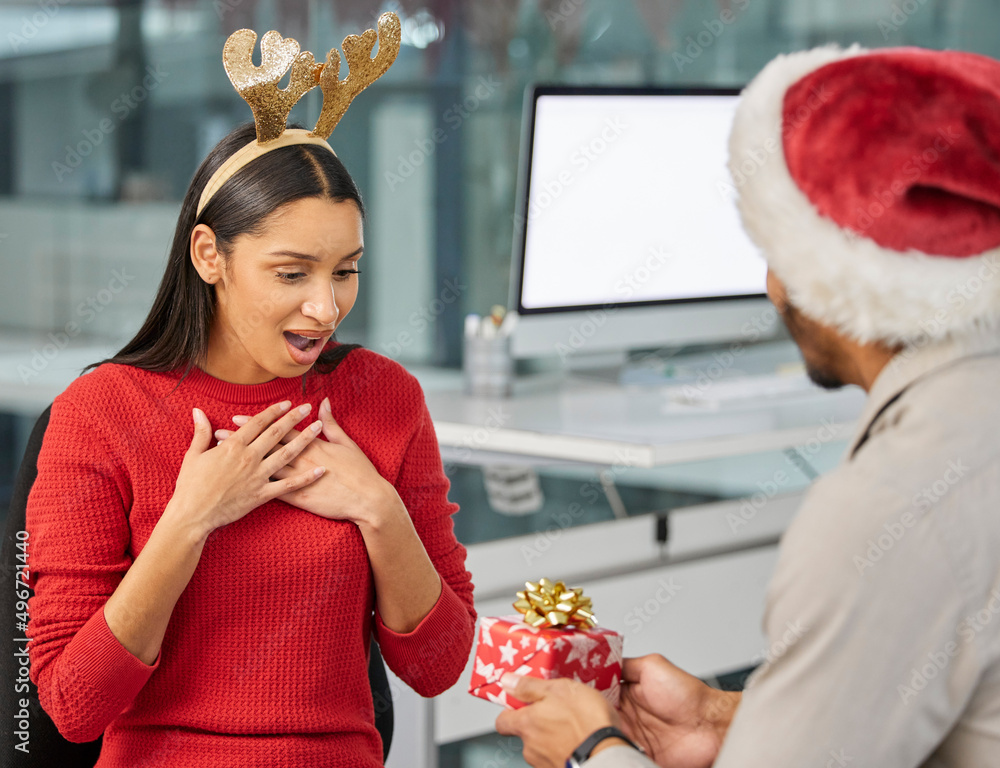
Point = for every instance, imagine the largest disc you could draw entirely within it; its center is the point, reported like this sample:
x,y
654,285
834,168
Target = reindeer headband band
x,y
271,105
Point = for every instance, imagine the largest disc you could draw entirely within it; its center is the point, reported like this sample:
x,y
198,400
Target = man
x,y
871,182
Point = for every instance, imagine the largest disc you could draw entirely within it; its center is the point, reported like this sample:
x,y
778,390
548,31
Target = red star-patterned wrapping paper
x,y
507,644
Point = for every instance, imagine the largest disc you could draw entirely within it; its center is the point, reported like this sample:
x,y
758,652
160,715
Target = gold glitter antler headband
x,y
258,85
364,70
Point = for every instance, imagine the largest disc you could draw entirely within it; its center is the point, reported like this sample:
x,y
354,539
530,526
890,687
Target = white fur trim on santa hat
x,y
835,276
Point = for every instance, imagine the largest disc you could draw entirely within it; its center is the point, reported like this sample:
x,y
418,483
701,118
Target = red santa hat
x,y
870,179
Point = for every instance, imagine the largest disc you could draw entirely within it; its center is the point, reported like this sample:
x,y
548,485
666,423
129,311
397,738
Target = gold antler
x,y
364,70
259,85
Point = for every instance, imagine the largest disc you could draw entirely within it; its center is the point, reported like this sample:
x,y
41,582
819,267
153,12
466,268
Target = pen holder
x,y
488,366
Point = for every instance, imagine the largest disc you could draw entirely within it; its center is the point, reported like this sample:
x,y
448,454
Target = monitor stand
x,y
605,367
685,365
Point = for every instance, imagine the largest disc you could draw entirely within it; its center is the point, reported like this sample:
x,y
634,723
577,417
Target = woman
x,y
209,604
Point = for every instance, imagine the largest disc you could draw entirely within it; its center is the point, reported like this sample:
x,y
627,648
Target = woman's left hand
x,y
350,489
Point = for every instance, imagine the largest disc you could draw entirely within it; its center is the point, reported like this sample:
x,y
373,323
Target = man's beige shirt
x,y
883,614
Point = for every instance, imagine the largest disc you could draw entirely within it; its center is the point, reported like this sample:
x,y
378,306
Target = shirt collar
x,y
915,362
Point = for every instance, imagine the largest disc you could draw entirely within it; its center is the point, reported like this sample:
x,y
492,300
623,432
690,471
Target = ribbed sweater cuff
x,y
433,636
107,664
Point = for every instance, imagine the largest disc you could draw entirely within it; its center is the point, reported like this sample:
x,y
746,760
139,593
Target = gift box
x,y
546,647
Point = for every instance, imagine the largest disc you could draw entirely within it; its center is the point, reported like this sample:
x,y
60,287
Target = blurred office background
x,y
107,108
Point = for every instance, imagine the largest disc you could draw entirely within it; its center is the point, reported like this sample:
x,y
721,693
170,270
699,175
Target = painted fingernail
x,y
285,405
316,426
319,471
304,409
241,420
325,405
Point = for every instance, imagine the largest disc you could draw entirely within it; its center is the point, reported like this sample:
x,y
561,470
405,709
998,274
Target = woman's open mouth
x,y
303,349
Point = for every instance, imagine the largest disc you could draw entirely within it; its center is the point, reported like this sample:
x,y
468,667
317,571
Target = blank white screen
x,y
630,200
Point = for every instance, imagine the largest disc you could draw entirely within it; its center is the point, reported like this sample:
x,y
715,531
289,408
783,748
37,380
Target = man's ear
x,y
776,291
204,255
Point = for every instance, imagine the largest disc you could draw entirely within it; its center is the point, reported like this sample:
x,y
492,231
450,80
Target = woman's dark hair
x,y
176,331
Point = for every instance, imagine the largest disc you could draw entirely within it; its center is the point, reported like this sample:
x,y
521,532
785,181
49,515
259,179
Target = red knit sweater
x,y
264,661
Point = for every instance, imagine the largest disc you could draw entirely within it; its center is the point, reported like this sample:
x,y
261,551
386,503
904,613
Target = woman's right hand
x,y
222,484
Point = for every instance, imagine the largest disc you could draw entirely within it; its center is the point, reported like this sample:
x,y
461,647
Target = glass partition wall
x,y
107,107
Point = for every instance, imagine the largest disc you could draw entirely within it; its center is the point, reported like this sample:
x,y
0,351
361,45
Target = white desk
x,y
550,417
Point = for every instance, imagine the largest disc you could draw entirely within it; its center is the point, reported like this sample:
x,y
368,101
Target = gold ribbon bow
x,y
545,605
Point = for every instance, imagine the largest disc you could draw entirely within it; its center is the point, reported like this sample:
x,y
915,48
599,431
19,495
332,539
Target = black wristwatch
x,y
582,753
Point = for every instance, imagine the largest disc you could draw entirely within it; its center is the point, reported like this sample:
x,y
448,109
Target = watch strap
x,y
582,753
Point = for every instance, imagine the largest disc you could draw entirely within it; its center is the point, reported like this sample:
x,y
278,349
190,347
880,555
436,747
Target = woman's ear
x,y
204,255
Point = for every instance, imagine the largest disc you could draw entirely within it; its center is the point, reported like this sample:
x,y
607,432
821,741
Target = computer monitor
x,y
626,233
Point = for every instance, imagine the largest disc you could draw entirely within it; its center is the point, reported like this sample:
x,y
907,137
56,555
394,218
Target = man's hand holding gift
x,y
562,679
676,718
559,715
